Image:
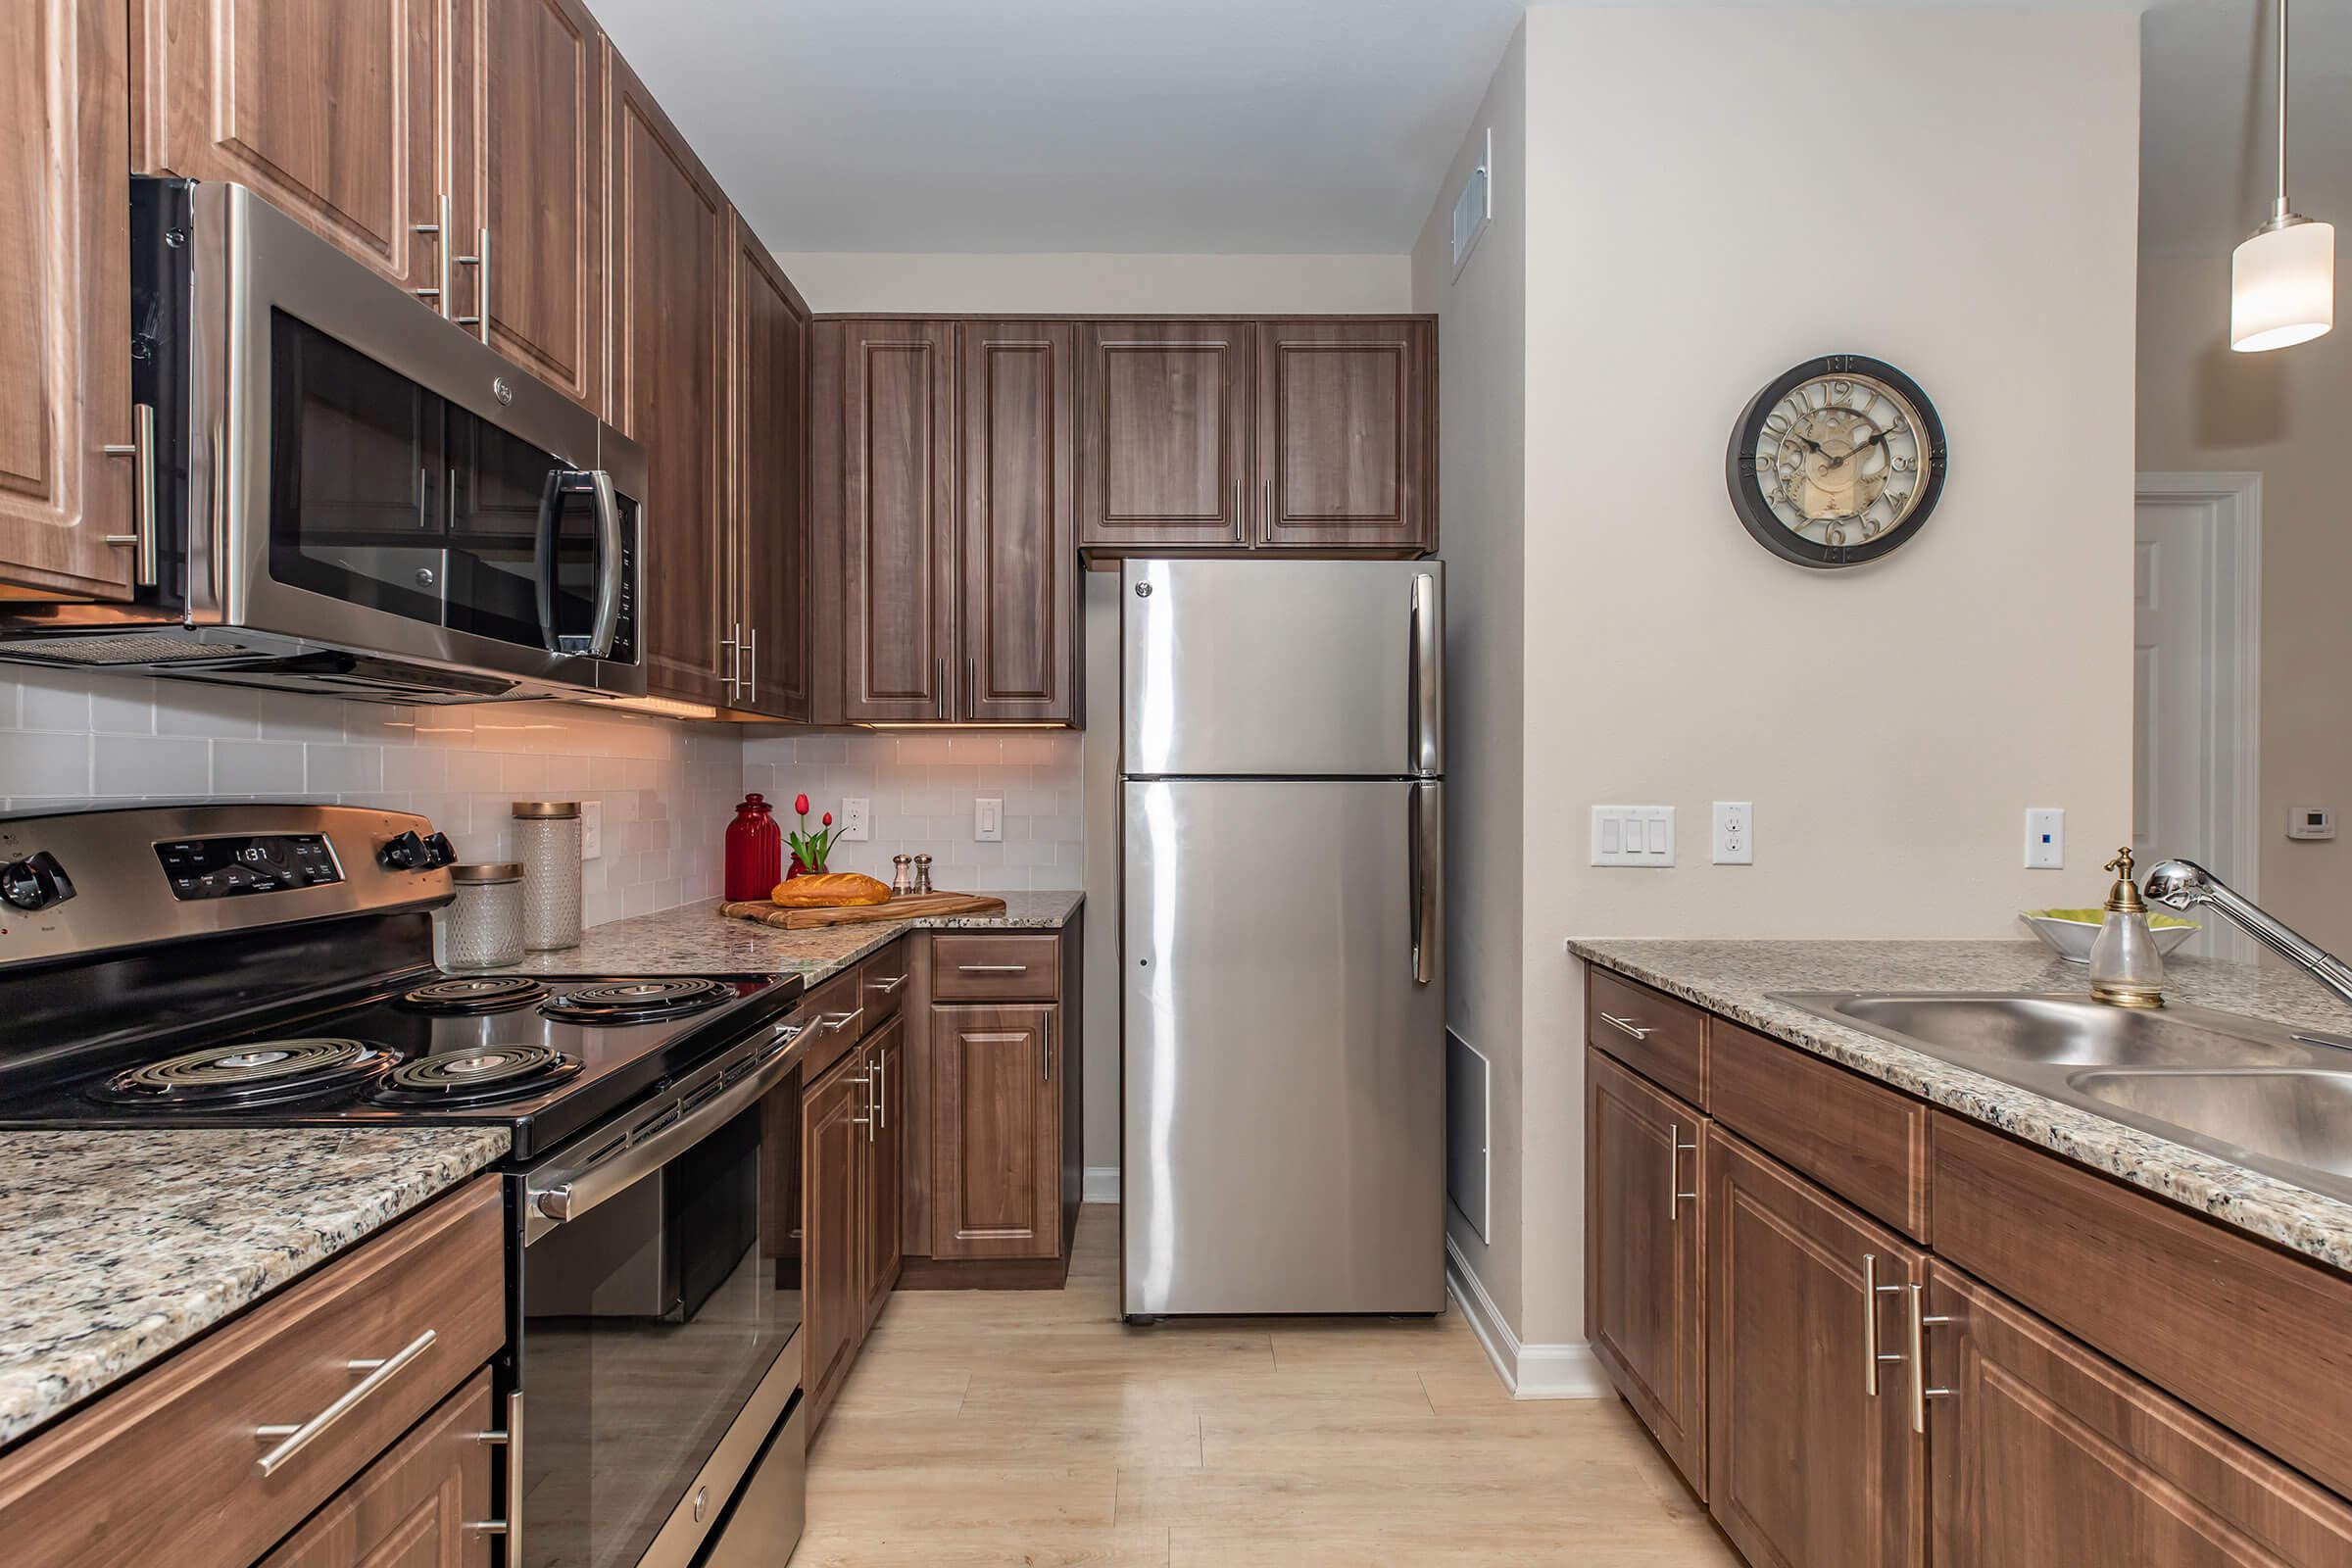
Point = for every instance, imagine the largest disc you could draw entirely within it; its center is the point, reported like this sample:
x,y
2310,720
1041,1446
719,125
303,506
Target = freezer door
x,y
1284,1115
1325,668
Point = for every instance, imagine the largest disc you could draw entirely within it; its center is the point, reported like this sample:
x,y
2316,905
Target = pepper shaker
x,y
902,875
922,873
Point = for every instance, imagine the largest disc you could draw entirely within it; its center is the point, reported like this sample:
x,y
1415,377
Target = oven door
x,y
392,486
657,1349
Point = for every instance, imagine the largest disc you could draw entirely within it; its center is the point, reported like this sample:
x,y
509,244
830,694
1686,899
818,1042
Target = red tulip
x,y
800,803
827,819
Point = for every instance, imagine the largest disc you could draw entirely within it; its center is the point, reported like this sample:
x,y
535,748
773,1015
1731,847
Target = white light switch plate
x,y
592,830
987,821
1734,833
2045,838
856,811
1632,835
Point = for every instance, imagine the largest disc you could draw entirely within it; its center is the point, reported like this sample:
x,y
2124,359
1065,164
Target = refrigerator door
x,y
1282,669
1284,1136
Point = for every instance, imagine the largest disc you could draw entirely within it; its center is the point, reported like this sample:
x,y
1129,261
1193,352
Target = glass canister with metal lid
x,y
547,841
484,926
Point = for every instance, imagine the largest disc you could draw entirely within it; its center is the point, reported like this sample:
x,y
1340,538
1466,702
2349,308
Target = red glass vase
x,y
754,851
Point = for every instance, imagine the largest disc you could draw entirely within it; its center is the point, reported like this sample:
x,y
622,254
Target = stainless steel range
x,y
271,965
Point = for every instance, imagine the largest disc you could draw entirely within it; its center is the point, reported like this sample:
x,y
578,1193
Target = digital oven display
x,y
228,868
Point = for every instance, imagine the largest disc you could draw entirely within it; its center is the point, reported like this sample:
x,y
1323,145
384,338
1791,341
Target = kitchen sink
x,y
2259,1095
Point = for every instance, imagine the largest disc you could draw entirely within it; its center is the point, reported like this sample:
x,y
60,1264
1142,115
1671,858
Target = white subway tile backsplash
x,y
150,766
257,767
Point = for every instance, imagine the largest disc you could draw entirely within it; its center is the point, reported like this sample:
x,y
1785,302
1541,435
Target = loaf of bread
x,y
830,890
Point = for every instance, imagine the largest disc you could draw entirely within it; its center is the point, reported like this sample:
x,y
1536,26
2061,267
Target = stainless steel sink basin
x,y
2259,1095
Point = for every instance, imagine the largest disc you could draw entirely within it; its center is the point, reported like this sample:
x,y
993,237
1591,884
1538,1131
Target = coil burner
x,y
260,1073
475,1077
486,993
636,1000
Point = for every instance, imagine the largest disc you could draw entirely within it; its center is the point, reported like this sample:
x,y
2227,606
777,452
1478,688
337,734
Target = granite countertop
x,y
117,1246
696,939
1736,979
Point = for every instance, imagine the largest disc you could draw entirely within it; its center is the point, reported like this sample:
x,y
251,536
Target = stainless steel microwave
x,y
341,490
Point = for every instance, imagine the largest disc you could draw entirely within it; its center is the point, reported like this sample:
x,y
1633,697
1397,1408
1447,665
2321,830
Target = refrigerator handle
x,y
1427,679
1426,858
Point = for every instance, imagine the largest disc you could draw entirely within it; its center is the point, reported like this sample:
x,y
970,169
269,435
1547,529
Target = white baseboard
x,y
1102,1185
1529,1371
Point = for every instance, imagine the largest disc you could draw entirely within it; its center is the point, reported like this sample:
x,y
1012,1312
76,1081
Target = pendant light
x,y
2283,280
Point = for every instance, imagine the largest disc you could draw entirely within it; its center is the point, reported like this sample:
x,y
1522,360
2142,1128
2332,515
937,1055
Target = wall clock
x,y
1836,462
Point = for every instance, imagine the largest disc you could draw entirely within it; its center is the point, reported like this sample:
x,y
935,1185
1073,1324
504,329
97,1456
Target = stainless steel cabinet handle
x,y
1266,513
834,1022
294,1439
882,1089
510,1439
439,229
1872,1356
991,968
1045,1032
732,648
480,259
142,538
971,688
1921,1394
1676,1148
751,665
873,1098
887,987
1638,1031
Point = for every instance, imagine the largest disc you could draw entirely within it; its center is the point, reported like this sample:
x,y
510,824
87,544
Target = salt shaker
x,y
902,875
547,841
922,873
485,915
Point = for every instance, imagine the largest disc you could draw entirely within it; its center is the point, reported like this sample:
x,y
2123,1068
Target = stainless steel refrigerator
x,y
1282,764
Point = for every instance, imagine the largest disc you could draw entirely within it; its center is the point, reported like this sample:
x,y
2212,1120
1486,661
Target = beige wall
x,y
2284,415
1105,284
1482,472
1890,723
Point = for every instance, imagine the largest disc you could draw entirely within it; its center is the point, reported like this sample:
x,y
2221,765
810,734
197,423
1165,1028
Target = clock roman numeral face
x,y
1840,457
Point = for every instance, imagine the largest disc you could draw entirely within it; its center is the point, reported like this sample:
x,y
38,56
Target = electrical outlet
x,y
856,810
1632,835
592,830
1734,833
988,819
2045,838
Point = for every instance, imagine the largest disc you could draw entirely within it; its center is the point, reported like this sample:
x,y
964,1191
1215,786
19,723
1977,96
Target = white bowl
x,y
2070,935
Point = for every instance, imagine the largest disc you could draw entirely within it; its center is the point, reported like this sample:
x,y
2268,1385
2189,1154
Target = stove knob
x,y
440,850
405,852
35,883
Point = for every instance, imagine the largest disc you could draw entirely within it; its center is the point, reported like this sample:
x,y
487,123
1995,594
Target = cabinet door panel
x,y
1164,434
996,1134
886,1162
529,112
2047,1455
331,109
1644,1253
767,478
65,300
669,288
1021,545
1805,1465
832,1233
1344,413
411,1507
896,521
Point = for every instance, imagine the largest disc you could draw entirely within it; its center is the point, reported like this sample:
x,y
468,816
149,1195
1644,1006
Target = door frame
x,y
2231,720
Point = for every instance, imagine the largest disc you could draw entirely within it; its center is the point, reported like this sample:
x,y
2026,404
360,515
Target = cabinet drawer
x,y
167,1469
835,1020
431,1484
2259,1340
882,981
994,968
1658,1037
1865,1142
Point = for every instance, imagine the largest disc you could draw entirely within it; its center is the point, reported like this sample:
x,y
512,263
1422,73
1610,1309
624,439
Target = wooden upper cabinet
x,y
1805,1463
1163,450
2047,1455
1019,612
527,171
1346,435
668,249
334,111
767,339
996,1128
889,522
1645,1246
65,300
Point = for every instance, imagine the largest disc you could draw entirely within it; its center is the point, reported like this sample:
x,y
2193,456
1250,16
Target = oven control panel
x,y
261,863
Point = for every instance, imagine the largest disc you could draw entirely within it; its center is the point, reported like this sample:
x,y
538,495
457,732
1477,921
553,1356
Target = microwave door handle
x,y
543,554
610,573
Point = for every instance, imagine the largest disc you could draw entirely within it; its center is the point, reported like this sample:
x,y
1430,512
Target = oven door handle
x,y
556,1194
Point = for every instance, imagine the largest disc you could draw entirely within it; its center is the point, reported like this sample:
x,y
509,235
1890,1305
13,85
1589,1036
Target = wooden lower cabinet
x,y
886,1162
833,1237
412,1507
2047,1455
996,1121
1644,1254
1811,1459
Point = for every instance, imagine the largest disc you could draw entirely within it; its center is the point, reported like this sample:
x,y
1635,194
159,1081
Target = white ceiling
x,y
2208,119
1269,126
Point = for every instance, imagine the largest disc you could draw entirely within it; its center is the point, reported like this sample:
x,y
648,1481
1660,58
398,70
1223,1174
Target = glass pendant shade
x,y
2283,287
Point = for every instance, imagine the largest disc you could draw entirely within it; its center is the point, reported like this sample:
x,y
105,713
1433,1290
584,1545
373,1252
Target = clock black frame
x,y
1747,494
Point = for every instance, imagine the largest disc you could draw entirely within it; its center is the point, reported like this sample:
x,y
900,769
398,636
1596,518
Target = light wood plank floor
x,y
1036,1429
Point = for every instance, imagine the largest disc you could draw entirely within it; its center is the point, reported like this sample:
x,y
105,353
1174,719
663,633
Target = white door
x,y
2190,784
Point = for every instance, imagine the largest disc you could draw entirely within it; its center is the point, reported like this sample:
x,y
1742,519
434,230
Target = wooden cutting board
x,y
913,905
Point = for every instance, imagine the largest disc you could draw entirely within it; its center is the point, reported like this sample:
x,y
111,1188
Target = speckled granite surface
x,y
1736,978
117,1246
696,939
